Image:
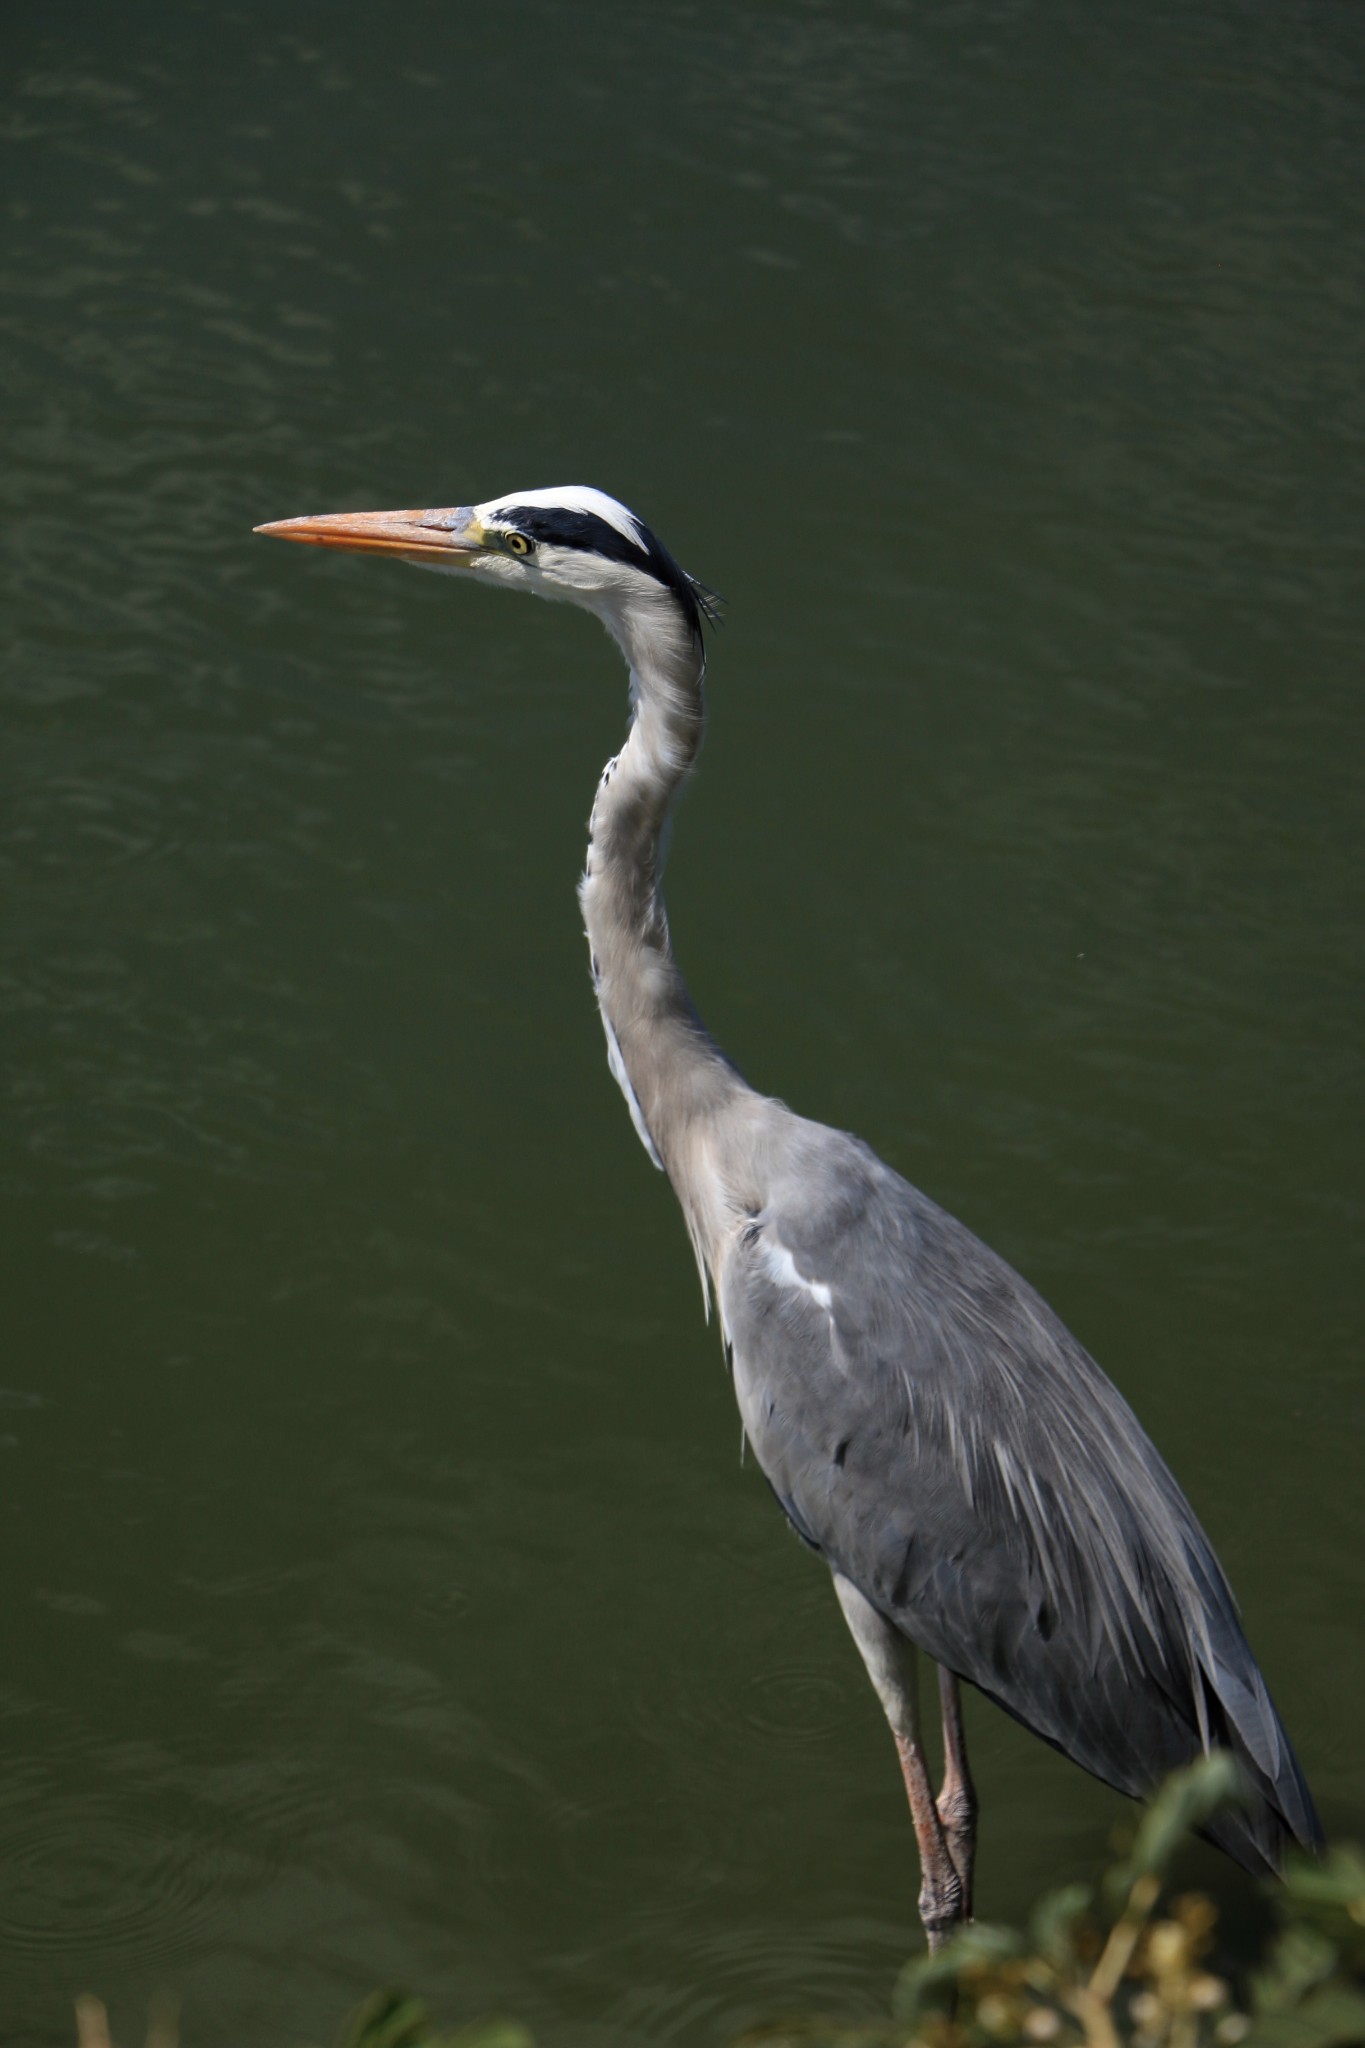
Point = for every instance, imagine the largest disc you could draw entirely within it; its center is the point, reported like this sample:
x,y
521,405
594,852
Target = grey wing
x,y
938,1435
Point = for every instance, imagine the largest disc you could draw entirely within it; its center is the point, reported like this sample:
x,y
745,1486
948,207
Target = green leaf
x,y
1337,1878
388,2019
1333,2017
1330,1896
1300,1959
928,1980
1054,1922
1186,1800
489,2034
394,2019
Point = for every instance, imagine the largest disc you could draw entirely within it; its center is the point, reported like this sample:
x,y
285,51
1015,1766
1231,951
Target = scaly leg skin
x,y
891,1665
956,1806
942,1904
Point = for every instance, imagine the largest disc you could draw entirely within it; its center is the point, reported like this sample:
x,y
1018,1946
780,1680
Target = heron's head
x,y
571,543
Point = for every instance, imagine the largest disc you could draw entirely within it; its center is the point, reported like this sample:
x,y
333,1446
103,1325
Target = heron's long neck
x,y
673,1075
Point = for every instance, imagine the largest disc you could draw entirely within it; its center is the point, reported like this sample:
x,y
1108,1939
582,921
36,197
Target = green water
x,y
384,1595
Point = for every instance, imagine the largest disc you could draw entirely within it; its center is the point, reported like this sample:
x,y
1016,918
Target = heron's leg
x,y
891,1666
957,1799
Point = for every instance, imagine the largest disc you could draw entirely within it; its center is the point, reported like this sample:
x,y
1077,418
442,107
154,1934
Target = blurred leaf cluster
x,y
393,2019
1121,1965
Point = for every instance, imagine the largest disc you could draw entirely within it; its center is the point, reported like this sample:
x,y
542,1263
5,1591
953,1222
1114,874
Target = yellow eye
x,y
516,544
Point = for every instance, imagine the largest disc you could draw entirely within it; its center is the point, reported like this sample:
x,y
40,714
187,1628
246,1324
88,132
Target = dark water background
x,y
383,1595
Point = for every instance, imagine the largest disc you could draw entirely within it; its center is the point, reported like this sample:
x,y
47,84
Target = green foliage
x,y
1310,1992
393,2019
1120,1966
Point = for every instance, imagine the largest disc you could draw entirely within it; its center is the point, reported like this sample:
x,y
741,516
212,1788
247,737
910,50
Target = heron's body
x,y
982,1484
976,1485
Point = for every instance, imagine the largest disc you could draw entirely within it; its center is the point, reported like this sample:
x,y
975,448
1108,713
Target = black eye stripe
x,y
558,526
567,529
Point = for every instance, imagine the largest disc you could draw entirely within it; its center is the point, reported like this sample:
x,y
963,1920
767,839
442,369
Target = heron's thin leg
x,y
956,1805
941,1905
891,1665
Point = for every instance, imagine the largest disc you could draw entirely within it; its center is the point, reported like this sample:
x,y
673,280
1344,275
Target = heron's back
x,y
933,1429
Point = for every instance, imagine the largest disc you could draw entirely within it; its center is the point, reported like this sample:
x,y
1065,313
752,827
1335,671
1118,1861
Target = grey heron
x,y
978,1488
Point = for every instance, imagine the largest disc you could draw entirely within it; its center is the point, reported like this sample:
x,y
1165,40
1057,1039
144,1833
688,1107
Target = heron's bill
x,y
444,536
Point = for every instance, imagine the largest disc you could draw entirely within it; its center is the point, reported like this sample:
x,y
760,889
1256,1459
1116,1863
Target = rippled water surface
x,y
384,1596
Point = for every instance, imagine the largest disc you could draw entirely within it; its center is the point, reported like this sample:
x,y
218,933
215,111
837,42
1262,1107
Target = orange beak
x,y
452,536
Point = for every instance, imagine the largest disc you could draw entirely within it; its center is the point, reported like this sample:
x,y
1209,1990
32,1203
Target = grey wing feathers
x,y
932,1428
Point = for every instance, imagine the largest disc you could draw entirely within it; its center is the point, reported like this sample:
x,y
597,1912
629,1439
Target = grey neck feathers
x,y
674,1077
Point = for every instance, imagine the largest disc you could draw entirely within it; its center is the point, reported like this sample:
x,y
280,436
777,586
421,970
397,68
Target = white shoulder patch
x,y
572,498
782,1268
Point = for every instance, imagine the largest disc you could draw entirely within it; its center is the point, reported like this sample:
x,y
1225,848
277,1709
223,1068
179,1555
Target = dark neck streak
x,y
677,1075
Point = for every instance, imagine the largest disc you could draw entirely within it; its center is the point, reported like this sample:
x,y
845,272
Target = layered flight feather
x,y
931,1427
